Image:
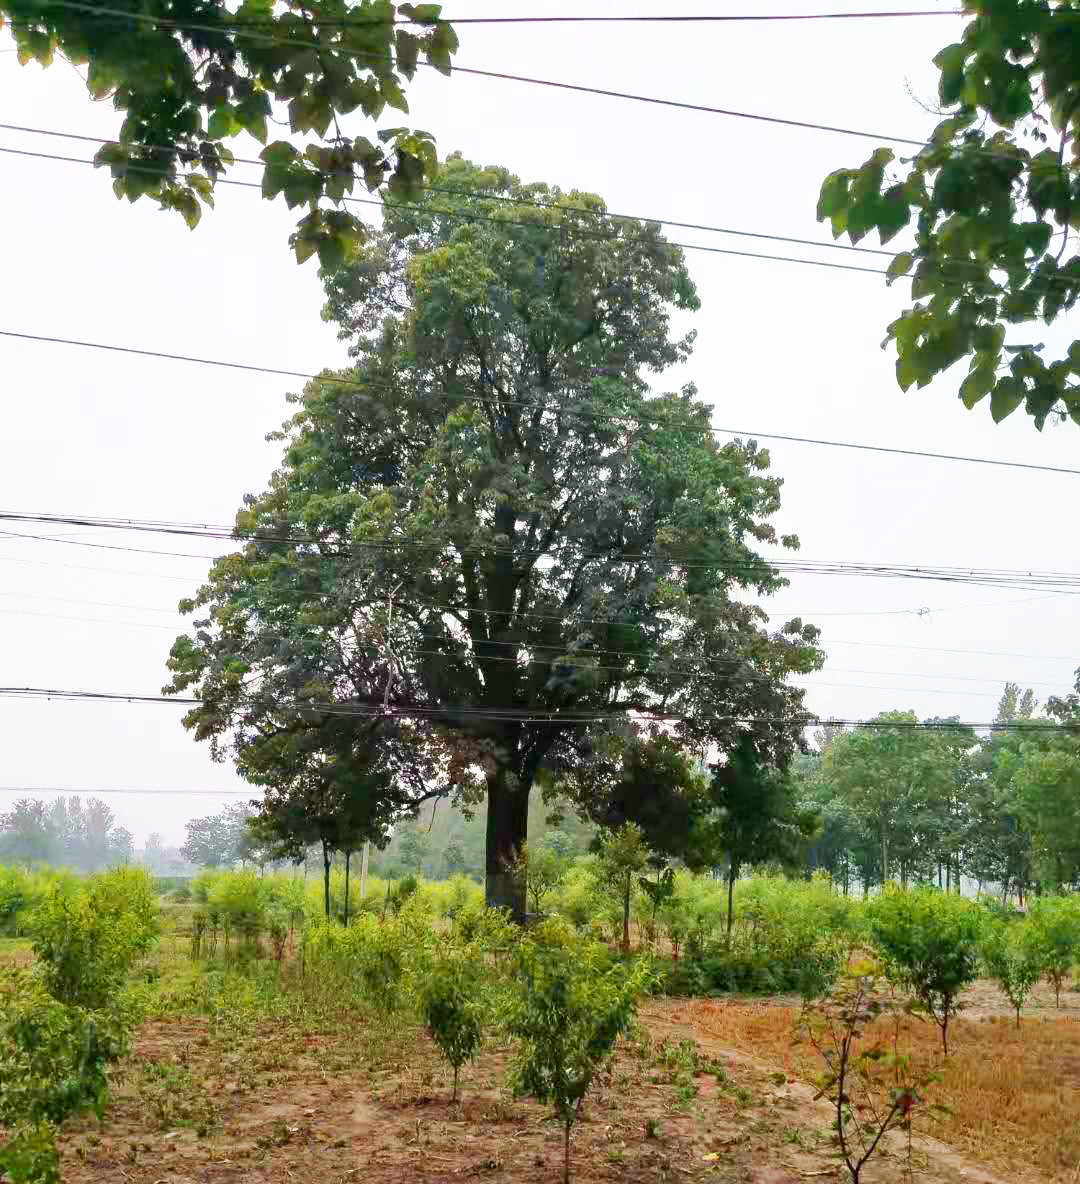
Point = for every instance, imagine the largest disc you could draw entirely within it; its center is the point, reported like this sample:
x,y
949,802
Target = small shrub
x,y
53,1063
452,1005
930,943
1016,960
86,937
1056,923
872,1087
570,1008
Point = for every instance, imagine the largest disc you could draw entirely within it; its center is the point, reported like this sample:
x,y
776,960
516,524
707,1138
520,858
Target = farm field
x,y
242,1072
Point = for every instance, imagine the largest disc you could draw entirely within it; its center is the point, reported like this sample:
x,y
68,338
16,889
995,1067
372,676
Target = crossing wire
x,y
362,384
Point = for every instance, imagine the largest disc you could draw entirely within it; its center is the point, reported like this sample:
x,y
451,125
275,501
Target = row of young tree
x,y
929,800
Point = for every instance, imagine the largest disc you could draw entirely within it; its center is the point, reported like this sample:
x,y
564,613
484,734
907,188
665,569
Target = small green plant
x,y
872,1087
451,997
929,941
570,1007
87,936
1015,960
1056,922
53,1063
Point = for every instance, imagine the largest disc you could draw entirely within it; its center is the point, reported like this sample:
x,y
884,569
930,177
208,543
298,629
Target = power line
x,y
943,650
517,714
1064,583
293,42
135,167
97,793
562,658
139,608
362,22
280,372
505,199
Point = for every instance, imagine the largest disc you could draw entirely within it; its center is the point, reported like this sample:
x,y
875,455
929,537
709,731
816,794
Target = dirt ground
x,y
200,1103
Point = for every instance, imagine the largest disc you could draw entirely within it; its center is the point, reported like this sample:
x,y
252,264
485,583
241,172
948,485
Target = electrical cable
x,y
279,372
518,714
135,167
382,60
501,198
1065,583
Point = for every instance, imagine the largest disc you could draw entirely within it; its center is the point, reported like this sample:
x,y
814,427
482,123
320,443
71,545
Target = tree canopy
x,y
993,196
490,530
189,76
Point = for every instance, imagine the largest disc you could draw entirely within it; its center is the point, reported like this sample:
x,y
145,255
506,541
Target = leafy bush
x,y
1016,959
789,935
53,1063
570,1008
87,936
21,892
452,1005
1056,923
930,943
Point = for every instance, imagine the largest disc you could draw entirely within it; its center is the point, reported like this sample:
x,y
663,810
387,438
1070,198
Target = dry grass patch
x,y
1014,1094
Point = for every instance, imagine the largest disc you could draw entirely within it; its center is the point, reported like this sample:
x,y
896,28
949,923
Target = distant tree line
x,y
66,832
929,800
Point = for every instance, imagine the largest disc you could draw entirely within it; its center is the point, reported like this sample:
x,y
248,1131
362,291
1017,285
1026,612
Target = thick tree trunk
x,y
507,830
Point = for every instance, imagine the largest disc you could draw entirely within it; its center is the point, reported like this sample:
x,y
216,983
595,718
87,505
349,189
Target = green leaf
x,y
421,14
977,385
1006,397
304,248
332,252
901,265
408,52
222,123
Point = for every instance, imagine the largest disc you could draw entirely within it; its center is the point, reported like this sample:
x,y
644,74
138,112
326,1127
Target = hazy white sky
x,y
782,348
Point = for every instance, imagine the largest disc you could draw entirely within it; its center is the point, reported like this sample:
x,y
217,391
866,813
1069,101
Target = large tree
x,y
190,74
994,196
491,525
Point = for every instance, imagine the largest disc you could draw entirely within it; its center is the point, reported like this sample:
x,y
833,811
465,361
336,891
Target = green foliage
x,y
896,779
569,1008
53,1056
622,855
453,1005
873,1088
1015,958
989,194
1055,922
87,936
540,872
188,79
789,935
930,943
21,892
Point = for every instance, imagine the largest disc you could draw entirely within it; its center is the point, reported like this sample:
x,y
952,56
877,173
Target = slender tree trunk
x,y
884,859
348,858
326,858
733,871
363,869
626,917
507,830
